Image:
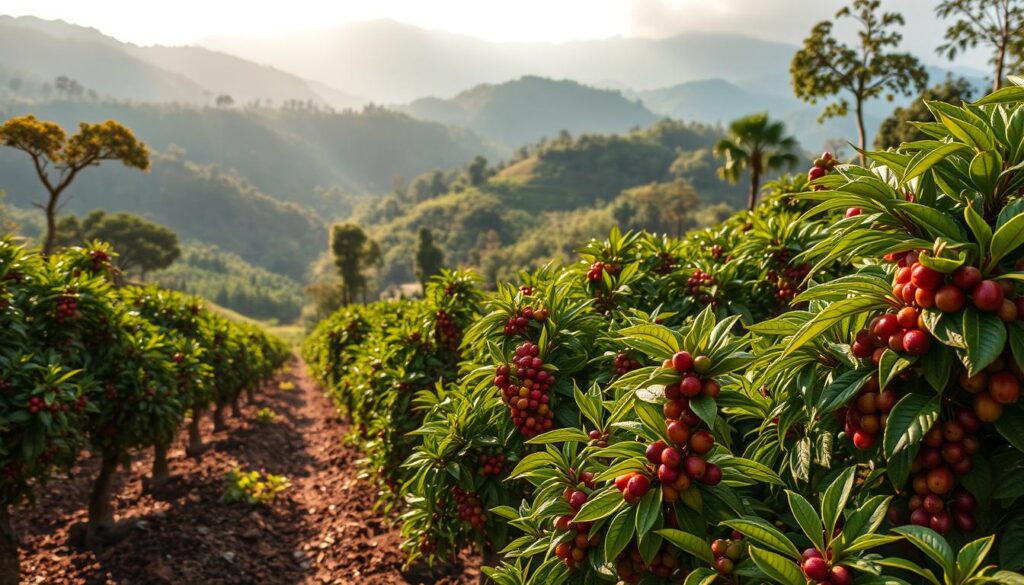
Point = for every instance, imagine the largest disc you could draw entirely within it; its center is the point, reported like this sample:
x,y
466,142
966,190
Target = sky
x,y
189,21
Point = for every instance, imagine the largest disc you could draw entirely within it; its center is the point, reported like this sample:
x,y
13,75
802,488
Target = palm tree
x,y
757,145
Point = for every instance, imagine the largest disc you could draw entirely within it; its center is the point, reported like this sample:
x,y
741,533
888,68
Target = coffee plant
x,y
87,365
823,390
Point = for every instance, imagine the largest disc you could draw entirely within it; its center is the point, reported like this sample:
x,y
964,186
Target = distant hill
x,y
546,200
293,155
529,108
196,201
392,62
36,51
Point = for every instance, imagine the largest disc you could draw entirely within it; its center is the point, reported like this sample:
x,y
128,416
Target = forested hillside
x,y
530,108
546,199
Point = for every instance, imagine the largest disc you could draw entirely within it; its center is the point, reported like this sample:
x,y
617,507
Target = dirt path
x,y
321,531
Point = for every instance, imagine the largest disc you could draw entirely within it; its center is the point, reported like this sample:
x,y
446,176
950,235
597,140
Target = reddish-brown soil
x,y
323,530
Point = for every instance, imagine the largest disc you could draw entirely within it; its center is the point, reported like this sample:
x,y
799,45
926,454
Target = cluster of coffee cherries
x,y
697,285
682,462
625,364
822,166
631,568
67,308
492,464
666,263
518,323
598,438
945,453
865,416
99,259
470,508
716,251
902,332
927,288
524,385
691,385
574,551
597,268
998,385
727,553
787,281
447,331
633,486
36,404
821,571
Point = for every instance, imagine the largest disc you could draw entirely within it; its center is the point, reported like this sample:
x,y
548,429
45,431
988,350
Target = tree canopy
x,y
429,257
59,158
140,244
897,128
354,253
996,24
826,68
756,145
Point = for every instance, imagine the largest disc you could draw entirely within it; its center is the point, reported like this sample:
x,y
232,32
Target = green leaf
x,y
808,519
910,567
689,543
701,576
704,407
937,366
935,222
908,421
763,533
1015,331
560,436
931,544
1011,426
648,510
985,335
973,554
842,388
1007,238
602,505
653,336
833,501
920,166
982,231
620,531
891,365
531,462
777,568
985,169
826,319
749,469
1008,95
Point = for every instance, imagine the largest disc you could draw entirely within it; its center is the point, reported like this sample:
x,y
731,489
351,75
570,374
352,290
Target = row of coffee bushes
x,y
87,365
824,391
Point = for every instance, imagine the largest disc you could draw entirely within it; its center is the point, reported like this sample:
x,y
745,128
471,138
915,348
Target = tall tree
x,y
825,67
429,258
998,24
755,145
59,158
477,171
897,129
354,253
140,244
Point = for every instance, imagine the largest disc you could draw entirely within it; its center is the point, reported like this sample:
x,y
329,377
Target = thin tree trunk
x,y
51,226
862,135
997,83
250,395
195,438
101,506
755,179
218,418
9,562
236,412
161,470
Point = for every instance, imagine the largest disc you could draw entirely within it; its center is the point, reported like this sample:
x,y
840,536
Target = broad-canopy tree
x,y
59,158
896,129
997,24
429,257
756,145
140,244
657,207
354,254
825,68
